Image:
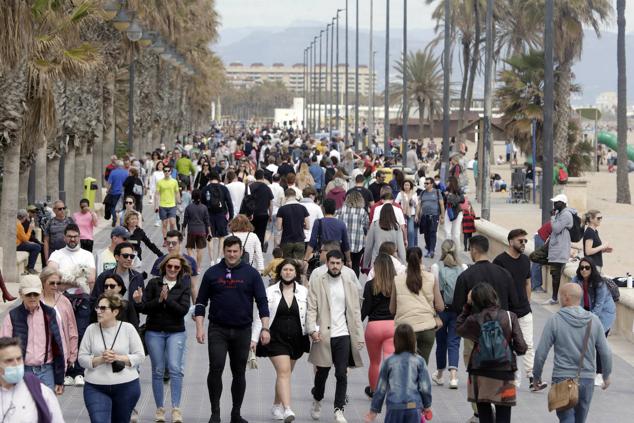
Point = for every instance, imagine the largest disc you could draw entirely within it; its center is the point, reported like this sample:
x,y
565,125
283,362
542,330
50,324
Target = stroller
x,y
519,189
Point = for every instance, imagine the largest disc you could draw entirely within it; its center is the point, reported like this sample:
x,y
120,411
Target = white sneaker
x,y
69,381
438,379
339,418
453,383
79,380
315,411
277,411
598,380
289,416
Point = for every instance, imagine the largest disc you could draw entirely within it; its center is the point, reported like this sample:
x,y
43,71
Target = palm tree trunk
x,y
80,174
52,178
622,179
430,117
475,59
466,60
40,172
108,132
9,209
562,111
25,171
421,118
69,175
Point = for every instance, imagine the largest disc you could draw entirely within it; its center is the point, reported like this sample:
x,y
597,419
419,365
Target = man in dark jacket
x,y
124,253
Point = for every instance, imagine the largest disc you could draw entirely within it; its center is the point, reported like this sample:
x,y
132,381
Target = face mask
x,y
285,282
13,374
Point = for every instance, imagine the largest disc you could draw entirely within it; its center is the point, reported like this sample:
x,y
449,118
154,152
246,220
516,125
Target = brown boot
x,y
5,293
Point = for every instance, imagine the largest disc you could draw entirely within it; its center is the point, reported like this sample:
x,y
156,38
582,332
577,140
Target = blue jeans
x,y
44,373
33,249
429,228
166,347
412,236
111,403
447,342
114,199
536,269
579,413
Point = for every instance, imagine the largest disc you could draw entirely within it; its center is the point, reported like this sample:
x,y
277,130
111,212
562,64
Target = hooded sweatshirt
x,y
566,330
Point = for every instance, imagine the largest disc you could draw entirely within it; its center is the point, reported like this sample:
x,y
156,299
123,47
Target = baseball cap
x,y
120,231
560,198
31,208
30,284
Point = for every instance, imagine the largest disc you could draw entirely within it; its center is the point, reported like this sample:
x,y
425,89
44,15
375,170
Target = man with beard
x,y
519,266
333,301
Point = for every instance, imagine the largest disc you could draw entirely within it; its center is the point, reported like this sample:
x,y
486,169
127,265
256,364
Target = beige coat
x,y
318,319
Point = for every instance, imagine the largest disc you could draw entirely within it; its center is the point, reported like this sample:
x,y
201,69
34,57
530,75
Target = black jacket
x,y
136,281
496,276
169,315
139,236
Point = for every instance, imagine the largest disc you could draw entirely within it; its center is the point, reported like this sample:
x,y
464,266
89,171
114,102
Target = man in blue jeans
x,y
230,287
430,212
577,336
115,187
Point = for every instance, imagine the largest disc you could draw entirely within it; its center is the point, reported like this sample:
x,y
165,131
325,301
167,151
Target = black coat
x,y
168,315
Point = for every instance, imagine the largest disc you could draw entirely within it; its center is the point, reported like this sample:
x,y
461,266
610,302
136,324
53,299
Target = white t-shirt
x,y
335,153
66,258
278,196
236,190
398,267
314,213
398,212
338,326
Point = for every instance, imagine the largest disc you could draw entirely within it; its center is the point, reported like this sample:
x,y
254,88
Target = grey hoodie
x,y
566,330
559,242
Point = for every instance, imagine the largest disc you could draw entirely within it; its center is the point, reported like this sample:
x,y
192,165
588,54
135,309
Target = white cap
x,y
30,284
560,198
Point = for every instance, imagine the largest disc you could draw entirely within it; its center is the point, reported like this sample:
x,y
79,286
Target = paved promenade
x,y
449,406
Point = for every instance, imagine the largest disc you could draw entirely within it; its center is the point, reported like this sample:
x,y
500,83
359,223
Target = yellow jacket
x,y
21,236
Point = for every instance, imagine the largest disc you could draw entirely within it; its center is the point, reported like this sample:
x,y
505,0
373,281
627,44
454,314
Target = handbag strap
x,y
586,338
115,336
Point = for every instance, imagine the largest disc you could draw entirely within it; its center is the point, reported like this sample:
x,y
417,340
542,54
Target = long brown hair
x,y
414,278
404,339
387,218
384,274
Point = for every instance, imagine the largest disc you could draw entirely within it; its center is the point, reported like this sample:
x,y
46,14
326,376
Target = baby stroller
x,y
519,189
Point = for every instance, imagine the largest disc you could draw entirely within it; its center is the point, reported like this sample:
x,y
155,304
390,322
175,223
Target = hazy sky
x,y
285,13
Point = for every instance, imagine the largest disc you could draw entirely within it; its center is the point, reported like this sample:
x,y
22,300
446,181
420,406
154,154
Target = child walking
x,y
405,381
468,223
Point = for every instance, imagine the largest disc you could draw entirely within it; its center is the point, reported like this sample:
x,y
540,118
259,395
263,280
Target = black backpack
x,y
249,203
576,232
215,199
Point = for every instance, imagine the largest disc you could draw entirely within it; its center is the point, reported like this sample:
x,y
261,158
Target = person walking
x,y
559,242
138,235
166,301
263,212
292,219
333,321
220,208
125,255
379,332
355,217
386,228
578,340
287,302
409,203
114,284
196,225
87,220
491,377
115,188
329,228
230,322
454,197
593,247
111,352
430,212
446,272
243,229
53,233
133,187
404,381
518,265
175,245
157,175
165,199
416,300
596,299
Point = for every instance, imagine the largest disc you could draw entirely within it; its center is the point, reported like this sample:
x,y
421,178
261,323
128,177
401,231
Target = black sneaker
x,y
537,388
369,392
265,246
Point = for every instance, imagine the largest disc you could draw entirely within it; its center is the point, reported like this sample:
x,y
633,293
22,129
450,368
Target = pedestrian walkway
x,y
450,406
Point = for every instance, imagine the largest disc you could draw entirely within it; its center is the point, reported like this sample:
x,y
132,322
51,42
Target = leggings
x,y
485,412
379,338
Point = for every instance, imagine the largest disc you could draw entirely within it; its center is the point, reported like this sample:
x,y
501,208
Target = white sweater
x,y
128,343
252,246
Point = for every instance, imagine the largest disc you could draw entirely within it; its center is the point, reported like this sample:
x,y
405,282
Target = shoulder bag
x,y
564,395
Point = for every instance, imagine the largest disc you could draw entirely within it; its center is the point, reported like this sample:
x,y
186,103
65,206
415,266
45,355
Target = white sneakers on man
x,y
339,418
315,411
289,416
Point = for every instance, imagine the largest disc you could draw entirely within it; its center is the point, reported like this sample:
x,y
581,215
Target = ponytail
x,y
414,277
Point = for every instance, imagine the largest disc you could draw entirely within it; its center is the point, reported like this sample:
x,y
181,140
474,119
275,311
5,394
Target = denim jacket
x,y
405,381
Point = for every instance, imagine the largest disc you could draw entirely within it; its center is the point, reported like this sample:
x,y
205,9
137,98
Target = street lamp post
x,y
134,34
549,102
444,155
386,103
305,91
326,78
332,41
315,124
405,99
321,33
347,65
371,90
356,80
487,144
338,99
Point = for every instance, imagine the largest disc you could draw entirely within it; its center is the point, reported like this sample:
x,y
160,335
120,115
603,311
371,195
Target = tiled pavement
x,y
449,406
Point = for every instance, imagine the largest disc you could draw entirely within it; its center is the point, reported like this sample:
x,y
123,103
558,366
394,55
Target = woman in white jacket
x,y
289,340
241,227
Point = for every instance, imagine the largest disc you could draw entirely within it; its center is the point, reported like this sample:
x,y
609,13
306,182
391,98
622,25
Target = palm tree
x,y
424,85
516,32
622,180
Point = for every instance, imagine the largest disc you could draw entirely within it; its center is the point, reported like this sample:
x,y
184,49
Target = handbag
x,y
540,255
564,395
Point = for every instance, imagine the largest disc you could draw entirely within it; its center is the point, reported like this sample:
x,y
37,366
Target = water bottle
x,y
629,280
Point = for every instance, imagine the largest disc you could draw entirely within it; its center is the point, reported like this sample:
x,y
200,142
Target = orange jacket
x,y
21,236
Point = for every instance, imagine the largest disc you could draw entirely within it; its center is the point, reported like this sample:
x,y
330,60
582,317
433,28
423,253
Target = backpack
x,y
613,288
493,349
329,175
337,194
562,175
215,199
137,189
576,233
249,203
448,277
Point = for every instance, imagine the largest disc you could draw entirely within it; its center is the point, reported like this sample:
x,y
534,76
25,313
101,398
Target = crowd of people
x,y
329,216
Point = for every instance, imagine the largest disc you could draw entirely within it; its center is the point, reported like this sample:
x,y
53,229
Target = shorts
x,y
167,213
218,223
198,241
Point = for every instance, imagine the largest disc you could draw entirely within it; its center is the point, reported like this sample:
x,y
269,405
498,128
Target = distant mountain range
x,y
595,72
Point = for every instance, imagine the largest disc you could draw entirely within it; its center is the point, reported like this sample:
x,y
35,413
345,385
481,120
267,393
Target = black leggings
x,y
222,340
485,413
356,261
555,271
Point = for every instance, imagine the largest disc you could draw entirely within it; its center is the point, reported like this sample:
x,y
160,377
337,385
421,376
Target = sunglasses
x,y
172,267
167,170
129,202
172,243
60,208
53,283
585,268
128,256
101,308
599,217
110,286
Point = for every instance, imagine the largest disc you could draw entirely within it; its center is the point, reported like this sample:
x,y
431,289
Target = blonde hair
x,y
129,214
47,272
449,253
241,223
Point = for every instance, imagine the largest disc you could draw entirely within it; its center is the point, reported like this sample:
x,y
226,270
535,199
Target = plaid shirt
x,y
357,221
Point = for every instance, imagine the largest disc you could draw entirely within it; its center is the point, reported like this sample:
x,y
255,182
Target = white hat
x,y
30,284
560,198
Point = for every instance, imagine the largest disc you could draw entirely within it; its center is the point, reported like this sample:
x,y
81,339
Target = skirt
x,y
494,391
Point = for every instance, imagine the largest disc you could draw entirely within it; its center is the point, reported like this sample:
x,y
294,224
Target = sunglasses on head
x,y
110,285
128,256
585,267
